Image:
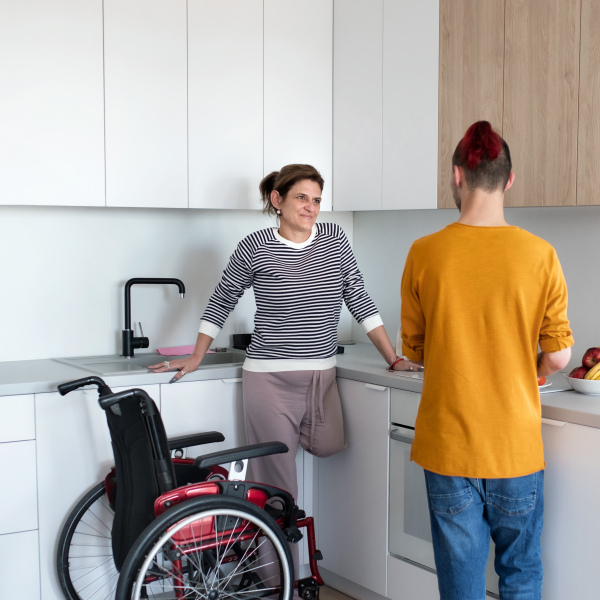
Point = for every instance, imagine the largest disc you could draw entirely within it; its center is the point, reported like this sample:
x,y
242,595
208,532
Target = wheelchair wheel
x,y
210,547
84,557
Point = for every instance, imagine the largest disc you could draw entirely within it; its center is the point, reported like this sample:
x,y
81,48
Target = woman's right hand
x,y
185,365
181,365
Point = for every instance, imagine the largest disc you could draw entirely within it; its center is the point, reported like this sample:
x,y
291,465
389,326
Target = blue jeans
x,y
465,513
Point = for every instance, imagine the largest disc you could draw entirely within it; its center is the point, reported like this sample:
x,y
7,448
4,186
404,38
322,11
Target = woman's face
x,y
299,209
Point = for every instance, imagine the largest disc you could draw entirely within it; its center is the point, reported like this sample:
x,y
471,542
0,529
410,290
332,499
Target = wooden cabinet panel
x,y
145,53
51,103
298,86
357,104
541,79
471,76
588,155
225,42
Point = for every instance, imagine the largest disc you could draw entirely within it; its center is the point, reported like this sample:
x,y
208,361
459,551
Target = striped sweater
x,y
298,290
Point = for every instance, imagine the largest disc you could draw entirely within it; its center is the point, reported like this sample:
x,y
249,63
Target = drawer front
x,y
20,566
17,418
403,407
18,507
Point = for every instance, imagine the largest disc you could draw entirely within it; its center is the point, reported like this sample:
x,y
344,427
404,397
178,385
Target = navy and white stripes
x,y
298,291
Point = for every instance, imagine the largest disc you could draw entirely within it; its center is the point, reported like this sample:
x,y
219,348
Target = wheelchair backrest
x,y
143,465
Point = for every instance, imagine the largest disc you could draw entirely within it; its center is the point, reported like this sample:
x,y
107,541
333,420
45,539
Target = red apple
x,y
591,357
578,372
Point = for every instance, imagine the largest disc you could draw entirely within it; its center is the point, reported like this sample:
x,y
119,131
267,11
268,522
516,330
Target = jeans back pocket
x,y
448,495
513,496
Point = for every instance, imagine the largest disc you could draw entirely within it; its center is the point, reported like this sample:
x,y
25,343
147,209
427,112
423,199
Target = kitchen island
x,y
54,448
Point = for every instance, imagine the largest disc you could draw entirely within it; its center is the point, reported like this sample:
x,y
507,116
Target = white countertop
x,y
360,362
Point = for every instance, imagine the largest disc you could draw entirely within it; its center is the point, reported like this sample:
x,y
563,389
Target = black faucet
x,y
130,343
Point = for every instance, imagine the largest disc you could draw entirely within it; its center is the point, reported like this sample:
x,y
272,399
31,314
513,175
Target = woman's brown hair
x,y
282,181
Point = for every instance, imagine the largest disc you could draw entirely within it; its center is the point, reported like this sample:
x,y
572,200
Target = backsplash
x,y
64,271
382,241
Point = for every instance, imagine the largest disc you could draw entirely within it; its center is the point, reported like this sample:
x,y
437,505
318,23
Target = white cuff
x,y
371,323
209,329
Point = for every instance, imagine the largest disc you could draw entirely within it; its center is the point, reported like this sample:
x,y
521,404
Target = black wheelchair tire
x,y
149,538
76,517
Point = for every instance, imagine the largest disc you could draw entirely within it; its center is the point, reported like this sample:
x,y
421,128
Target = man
x,y
478,297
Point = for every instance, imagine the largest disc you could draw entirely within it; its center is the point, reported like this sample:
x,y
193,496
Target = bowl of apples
x,y
586,378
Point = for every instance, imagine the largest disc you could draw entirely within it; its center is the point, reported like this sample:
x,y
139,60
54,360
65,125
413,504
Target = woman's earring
x,y
278,212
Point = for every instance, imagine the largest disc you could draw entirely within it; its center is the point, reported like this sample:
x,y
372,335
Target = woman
x,y
300,273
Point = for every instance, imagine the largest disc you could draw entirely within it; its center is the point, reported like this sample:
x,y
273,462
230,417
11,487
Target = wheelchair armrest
x,y
195,439
253,451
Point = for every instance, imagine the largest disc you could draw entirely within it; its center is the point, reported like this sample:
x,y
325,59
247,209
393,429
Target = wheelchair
x,y
178,528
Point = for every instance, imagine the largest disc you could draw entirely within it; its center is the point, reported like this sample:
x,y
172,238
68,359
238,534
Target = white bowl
x,y
585,386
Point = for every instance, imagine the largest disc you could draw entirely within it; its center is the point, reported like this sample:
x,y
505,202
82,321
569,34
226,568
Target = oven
x,y
409,536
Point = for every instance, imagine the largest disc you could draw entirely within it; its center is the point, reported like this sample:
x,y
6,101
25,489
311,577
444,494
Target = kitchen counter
x,y
360,362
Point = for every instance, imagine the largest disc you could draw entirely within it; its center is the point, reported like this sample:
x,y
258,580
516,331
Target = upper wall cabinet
x,y
52,140
145,51
298,47
588,166
225,80
516,64
357,104
541,84
385,104
471,74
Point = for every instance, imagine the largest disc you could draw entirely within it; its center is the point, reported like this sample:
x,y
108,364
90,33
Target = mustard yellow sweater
x,y
476,302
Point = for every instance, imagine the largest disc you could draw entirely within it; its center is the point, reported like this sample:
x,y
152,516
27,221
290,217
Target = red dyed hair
x,y
480,142
484,156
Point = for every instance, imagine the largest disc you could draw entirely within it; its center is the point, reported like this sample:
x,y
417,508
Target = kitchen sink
x,y
113,364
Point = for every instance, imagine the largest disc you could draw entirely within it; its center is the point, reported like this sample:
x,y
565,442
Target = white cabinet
x,y
196,406
18,503
571,497
225,79
20,566
298,51
410,103
73,454
385,76
51,103
145,54
357,104
353,490
17,418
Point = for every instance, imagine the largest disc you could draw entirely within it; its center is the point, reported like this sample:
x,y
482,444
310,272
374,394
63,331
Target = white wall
x,y
382,241
63,272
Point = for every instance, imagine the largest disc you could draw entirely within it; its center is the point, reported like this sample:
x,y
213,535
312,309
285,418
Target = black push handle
x,y
252,451
103,389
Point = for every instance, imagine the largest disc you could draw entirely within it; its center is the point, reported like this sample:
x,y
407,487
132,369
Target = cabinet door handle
x,y
233,380
379,388
553,422
400,437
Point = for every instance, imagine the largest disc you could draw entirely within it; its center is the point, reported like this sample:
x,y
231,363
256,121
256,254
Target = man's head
x,y
484,158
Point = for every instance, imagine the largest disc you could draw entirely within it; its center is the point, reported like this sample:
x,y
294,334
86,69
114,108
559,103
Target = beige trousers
x,y
296,408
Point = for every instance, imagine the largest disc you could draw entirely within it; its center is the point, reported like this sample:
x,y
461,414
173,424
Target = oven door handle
x,y
400,437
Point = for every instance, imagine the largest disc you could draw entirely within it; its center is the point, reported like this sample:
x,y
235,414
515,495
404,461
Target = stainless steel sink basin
x,y
113,364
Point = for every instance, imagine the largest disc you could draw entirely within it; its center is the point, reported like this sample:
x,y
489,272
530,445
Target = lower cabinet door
x,y
73,454
352,490
20,566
